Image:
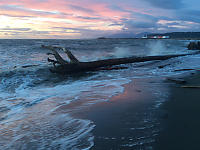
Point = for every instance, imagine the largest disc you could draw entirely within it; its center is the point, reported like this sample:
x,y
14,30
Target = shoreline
x,y
181,124
129,120
118,120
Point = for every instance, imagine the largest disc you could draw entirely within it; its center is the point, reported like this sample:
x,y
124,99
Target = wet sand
x,y
132,121
182,122
128,120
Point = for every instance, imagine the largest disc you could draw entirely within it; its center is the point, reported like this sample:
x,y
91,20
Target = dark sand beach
x,y
129,120
182,124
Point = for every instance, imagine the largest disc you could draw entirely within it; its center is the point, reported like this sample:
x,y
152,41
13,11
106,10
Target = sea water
x,y
37,106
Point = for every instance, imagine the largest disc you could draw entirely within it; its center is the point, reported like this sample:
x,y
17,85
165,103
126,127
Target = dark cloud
x,y
140,21
139,24
16,16
28,34
9,7
20,8
15,29
166,4
86,33
79,8
189,15
75,29
38,32
172,23
137,21
116,24
33,12
118,8
88,18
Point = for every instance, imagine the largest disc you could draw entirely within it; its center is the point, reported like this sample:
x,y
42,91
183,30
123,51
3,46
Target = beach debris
x,y
194,46
198,69
191,86
62,66
162,66
178,81
28,66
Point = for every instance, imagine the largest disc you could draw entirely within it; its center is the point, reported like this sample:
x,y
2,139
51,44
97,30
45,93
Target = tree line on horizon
x,y
173,35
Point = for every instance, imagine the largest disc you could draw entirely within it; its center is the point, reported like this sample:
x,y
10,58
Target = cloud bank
x,y
94,18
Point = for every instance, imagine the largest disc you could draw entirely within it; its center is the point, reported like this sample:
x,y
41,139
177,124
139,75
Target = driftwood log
x,y
62,66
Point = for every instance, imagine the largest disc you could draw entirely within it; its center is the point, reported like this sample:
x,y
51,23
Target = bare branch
x,y
72,58
56,55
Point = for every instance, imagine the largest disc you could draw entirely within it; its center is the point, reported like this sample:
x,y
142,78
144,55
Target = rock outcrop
x,y
194,46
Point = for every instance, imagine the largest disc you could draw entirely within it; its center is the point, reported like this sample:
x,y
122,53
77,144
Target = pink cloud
x,y
59,9
108,16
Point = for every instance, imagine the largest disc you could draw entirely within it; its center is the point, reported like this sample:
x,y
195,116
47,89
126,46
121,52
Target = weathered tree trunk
x,y
74,65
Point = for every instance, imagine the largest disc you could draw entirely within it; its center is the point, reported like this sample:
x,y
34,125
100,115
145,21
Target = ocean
x,y
38,108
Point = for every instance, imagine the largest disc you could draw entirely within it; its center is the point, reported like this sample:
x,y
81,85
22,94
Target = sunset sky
x,y
94,18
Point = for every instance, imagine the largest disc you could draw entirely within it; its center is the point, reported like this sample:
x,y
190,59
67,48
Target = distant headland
x,y
170,35
175,35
